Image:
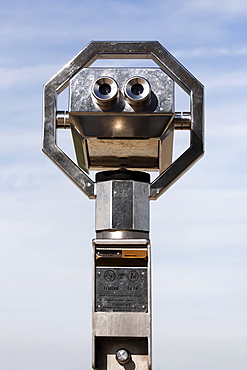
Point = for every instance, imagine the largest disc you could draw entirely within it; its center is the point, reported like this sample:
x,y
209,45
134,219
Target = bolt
x,y
122,356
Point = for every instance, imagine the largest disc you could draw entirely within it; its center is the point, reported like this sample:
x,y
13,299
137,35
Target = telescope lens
x,y
105,89
137,89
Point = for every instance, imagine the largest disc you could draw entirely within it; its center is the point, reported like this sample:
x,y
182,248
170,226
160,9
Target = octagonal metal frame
x,y
125,50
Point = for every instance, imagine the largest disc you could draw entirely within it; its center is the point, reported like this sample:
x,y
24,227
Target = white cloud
x,y
222,7
11,77
211,52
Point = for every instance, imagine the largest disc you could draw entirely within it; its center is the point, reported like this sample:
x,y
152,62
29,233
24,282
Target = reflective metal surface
x,y
127,132
137,91
121,289
135,362
122,118
117,50
122,234
105,91
152,79
122,356
181,121
122,205
107,348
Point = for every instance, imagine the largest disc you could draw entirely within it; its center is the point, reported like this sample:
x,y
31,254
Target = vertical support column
x,y
122,272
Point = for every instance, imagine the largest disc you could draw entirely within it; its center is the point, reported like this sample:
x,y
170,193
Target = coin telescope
x,y
122,122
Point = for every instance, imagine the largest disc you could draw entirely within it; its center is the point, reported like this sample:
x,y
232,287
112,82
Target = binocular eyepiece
x,y
105,90
136,91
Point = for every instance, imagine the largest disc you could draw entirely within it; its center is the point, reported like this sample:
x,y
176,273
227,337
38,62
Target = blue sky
x,y
198,227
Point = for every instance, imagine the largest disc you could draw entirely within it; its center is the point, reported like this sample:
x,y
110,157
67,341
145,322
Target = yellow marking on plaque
x,y
134,253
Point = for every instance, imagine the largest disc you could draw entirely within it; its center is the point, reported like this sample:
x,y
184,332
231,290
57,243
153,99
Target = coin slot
x,y
118,258
134,254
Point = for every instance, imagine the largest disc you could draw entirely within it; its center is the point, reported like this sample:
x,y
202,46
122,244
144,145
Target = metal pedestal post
x,y
122,272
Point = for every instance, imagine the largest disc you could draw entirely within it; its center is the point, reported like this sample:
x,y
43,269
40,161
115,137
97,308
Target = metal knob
x,y
122,356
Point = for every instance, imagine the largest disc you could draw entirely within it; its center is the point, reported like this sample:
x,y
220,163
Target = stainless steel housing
x,y
123,135
122,205
116,50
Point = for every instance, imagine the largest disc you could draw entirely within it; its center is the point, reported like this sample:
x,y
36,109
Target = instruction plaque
x,y
121,289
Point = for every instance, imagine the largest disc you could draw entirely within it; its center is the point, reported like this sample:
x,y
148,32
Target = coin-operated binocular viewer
x,y
122,122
